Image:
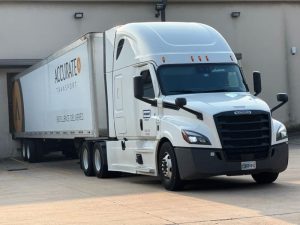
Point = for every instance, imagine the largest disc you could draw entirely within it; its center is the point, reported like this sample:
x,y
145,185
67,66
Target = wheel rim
x,y
166,166
97,159
28,152
85,159
24,151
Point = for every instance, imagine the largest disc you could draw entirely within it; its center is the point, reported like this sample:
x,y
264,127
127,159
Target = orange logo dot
x,y
78,62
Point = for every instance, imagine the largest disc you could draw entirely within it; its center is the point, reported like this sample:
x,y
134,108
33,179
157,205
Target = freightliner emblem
x,y
242,112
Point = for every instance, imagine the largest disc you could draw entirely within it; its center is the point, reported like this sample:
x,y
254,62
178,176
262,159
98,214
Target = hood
x,y
214,103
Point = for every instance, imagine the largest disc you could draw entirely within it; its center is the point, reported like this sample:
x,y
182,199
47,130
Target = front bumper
x,y
195,163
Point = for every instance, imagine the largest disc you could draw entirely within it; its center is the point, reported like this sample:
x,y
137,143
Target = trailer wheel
x,y
167,168
265,178
86,161
31,152
100,161
24,151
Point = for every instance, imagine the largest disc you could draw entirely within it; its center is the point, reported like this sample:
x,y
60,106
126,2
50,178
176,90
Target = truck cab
x,y
182,110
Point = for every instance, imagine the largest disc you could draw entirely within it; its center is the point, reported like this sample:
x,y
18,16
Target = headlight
x,y
194,138
281,133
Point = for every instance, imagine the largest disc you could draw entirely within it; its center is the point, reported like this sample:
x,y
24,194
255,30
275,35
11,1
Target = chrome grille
x,y
244,137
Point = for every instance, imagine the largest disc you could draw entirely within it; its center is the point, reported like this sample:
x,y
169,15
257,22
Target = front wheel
x,y
168,169
265,178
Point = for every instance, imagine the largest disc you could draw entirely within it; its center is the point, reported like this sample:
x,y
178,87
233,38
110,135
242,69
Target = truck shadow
x,y
213,184
220,183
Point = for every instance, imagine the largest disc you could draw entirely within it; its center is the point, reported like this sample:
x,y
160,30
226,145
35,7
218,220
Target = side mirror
x,y
138,87
180,102
281,97
256,82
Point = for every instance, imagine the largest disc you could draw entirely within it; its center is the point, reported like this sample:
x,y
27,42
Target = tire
x,y
265,178
168,169
100,161
24,151
31,152
86,159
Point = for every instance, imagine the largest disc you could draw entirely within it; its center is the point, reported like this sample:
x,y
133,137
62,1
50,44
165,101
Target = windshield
x,y
200,78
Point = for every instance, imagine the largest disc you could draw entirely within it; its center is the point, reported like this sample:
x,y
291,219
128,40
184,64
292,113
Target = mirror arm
x,y
278,106
152,102
169,105
198,114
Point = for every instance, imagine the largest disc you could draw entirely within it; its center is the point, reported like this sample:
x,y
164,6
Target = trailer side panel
x,y
56,99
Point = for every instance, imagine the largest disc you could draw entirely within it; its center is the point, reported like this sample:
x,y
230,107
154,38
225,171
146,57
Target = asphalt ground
x,y
56,192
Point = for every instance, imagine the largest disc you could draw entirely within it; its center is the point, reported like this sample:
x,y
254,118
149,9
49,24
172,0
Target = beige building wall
x,y
264,34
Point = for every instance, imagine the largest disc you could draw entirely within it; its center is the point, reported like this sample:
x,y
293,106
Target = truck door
x,y
148,118
120,122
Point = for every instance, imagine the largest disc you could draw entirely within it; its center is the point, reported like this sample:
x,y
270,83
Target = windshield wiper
x,y
188,91
184,91
217,90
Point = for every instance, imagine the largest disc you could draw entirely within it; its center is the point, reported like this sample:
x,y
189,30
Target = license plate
x,y
249,165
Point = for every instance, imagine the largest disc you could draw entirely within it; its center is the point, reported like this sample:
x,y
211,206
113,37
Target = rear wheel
x,y
265,178
32,152
86,161
168,170
24,153
100,161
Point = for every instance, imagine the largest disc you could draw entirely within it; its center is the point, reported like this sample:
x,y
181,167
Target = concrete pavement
x,y
57,192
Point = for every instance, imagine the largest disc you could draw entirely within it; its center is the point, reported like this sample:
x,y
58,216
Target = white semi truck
x,y
160,99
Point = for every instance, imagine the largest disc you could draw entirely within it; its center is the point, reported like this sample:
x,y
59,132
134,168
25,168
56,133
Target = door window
x,y
147,84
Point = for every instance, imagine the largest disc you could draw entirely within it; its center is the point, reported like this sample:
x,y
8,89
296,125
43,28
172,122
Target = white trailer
x,y
160,99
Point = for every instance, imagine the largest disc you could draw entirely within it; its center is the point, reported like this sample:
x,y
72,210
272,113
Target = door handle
x,y
141,124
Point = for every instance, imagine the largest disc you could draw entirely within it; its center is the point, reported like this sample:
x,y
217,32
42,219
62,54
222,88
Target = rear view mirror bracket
x,y
281,97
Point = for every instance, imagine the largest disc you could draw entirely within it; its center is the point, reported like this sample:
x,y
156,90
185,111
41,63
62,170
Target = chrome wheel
x,y
168,169
166,166
24,151
85,158
28,151
97,159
